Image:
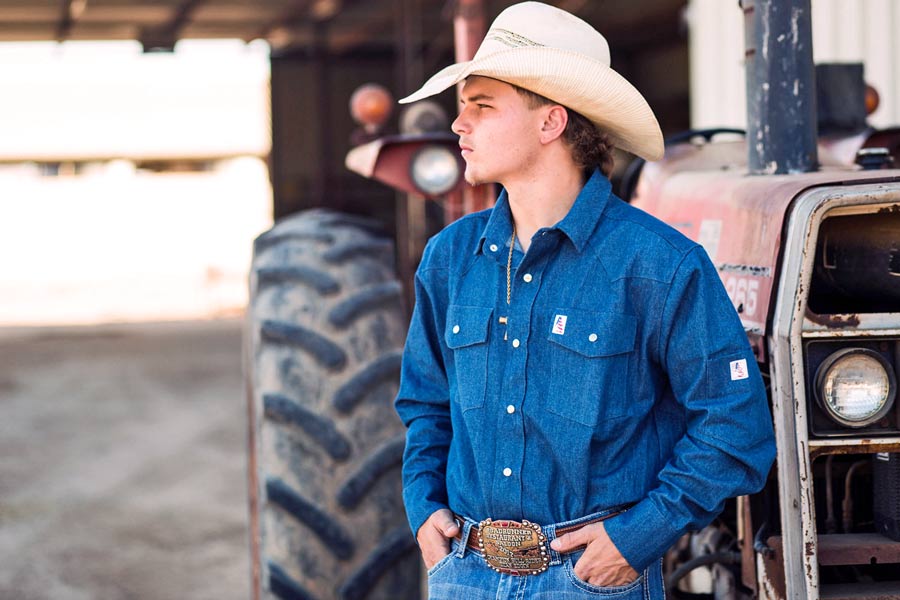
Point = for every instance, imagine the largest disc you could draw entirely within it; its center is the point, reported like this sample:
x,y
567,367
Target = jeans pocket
x,y
633,589
440,564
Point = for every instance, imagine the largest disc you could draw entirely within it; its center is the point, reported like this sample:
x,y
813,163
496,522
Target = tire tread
x,y
355,390
388,456
333,536
322,430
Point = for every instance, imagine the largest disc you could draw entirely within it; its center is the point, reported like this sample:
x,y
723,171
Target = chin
x,y
472,177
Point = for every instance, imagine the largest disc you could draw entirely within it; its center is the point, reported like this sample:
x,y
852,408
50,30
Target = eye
x,y
479,105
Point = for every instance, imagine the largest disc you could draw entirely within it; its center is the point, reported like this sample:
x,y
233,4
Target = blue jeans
x,y
463,575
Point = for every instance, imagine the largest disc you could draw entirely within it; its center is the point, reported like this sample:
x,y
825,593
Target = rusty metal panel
x,y
819,448
772,571
857,549
704,192
850,325
884,590
796,493
745,542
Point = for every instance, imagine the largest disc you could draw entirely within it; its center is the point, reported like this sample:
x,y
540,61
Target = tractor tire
x,y
325,330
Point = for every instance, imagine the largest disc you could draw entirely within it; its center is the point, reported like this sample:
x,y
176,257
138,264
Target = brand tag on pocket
x,y
739,369
559,324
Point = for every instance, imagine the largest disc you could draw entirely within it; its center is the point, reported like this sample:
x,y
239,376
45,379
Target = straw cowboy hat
x,y
555,54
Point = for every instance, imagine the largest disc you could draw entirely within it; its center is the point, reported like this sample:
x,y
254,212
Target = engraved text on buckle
x,y
512,547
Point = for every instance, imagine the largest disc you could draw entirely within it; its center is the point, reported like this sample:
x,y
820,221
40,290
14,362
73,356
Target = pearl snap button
x,y
507,471
493,247
515,343
510,409
593,337
527,277
456,330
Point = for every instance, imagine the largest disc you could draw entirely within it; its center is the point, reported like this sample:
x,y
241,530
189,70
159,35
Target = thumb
x,y
568,541
447,524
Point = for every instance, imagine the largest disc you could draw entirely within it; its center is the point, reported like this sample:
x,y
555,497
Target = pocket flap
x,y
467,325
593,334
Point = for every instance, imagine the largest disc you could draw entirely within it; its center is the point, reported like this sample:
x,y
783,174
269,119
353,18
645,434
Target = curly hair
x,y
591,148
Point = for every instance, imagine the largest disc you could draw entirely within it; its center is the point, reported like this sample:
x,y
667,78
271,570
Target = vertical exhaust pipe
x,y
781,87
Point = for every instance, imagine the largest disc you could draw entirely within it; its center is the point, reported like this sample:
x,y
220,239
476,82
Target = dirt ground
x,y
122,463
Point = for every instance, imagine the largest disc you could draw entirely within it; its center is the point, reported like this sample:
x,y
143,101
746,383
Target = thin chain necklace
x,y
512,243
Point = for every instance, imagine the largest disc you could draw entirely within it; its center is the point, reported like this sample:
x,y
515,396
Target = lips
x,y
465,149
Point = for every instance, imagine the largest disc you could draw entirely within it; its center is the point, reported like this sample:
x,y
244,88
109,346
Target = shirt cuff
x,y
420,505
641,534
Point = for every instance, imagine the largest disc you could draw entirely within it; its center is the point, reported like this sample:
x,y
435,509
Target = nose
x,y
460,124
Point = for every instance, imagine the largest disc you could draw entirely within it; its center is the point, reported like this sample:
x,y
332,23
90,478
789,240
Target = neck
x,y
542,197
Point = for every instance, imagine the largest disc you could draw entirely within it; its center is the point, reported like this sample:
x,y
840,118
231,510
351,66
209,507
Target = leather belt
x,y
517,548
472,541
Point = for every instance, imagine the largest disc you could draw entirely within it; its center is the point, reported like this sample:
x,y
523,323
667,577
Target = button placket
x,y
510,440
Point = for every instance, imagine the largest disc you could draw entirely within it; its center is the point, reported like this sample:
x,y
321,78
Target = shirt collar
x,y
578,224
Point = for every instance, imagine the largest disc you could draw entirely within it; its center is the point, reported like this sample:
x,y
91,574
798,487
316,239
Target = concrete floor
x,y
122,463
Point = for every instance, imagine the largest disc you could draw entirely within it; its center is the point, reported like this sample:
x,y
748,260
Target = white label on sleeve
x,y
559,324
739,369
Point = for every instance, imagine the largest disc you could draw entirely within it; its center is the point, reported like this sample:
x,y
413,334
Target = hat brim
x,y
574,80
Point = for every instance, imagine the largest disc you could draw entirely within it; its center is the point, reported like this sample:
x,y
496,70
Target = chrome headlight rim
x,y
832,360
424,186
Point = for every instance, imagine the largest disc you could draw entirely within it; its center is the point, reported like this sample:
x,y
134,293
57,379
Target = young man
x,y
577,387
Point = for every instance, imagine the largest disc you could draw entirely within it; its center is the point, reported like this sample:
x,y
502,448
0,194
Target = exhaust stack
x,y
781,87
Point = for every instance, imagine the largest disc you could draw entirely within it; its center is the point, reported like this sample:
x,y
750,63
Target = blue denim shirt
x,y
623,375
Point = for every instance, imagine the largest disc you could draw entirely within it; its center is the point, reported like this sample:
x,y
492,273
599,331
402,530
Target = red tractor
x,y
805,231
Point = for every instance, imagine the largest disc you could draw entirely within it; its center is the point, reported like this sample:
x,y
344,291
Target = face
x,y
498,133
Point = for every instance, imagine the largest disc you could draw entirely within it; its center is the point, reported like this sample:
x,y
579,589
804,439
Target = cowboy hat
x,y
553,53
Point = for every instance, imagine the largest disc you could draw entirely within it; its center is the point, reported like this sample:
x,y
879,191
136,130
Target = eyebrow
x,y
476,98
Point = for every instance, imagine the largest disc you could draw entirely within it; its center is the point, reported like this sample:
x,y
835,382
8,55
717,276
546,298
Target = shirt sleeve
x,y
423,403
728,445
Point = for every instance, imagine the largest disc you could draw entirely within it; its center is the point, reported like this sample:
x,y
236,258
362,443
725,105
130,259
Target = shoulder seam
x,y
691,246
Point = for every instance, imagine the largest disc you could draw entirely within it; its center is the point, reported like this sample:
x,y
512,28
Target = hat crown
x,y
529,24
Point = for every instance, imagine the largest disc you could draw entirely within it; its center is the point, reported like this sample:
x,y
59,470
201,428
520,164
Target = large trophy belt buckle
x,y
512,547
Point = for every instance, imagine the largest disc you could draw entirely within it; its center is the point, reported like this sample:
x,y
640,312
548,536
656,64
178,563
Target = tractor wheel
x,y
325,330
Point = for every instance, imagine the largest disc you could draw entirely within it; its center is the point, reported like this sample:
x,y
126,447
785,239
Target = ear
x,y
554,123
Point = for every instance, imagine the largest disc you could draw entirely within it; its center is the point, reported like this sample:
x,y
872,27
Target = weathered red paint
x,y
394,159
704,191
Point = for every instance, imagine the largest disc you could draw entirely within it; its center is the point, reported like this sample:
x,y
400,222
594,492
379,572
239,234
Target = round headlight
x,y
435,170
855,386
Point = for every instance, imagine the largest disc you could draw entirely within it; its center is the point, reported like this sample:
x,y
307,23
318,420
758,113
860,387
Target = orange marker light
x,y
370,106
873,99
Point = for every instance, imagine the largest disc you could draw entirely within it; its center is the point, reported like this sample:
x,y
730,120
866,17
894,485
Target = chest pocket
x,y
467,335
591,356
